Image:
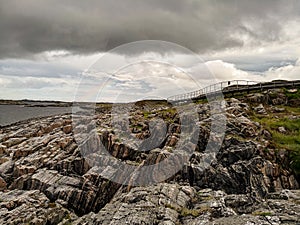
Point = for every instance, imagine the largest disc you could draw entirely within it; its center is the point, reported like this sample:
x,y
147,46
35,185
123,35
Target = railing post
x,y
260,87
248,87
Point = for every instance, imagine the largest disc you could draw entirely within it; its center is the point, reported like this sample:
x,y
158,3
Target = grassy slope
x,y
291,139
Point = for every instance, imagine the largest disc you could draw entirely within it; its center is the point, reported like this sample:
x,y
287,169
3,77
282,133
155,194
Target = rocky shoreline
x,y
44,179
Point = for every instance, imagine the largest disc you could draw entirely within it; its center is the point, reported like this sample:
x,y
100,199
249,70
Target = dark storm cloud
x,y
33,26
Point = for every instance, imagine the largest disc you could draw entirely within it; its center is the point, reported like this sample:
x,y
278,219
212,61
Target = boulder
x,y
278,110
260,109
257,98
282,130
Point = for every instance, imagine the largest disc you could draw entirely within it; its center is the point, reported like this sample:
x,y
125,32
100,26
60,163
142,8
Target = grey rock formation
x,y
31,207
44,178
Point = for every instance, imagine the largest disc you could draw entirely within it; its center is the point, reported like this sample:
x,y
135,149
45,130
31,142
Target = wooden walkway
x,y
231,87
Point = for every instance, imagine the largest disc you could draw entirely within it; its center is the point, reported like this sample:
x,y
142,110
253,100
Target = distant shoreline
x,y
36,103
14,113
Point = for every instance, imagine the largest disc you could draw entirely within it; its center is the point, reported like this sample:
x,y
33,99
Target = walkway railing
x,y
232,87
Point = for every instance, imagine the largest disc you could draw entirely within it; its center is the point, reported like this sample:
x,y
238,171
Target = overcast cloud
x,y
33,26
45,45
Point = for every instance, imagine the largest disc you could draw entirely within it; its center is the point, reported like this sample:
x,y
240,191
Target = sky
x,y
96,50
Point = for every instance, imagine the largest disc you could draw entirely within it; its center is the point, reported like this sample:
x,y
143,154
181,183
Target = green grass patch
x,y
166,114
146,114
201,101
189,212
292,126
183,212
292,109
289,141
295,95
